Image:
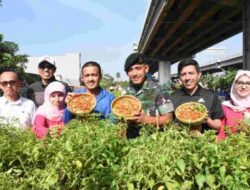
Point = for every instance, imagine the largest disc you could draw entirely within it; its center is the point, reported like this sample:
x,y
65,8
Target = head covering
x,y
134,58
46,109
46,60
238,103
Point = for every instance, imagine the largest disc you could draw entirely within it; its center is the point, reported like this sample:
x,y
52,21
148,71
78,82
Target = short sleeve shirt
x,y
18,114
153,96
202,95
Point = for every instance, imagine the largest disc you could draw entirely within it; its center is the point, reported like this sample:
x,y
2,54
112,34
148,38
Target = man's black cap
x,y
134,58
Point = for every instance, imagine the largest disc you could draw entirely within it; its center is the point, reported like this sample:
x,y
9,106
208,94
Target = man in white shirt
x,y
15,111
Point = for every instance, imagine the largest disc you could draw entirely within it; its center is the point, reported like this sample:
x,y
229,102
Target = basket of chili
x,y
191,113
81,104
126,106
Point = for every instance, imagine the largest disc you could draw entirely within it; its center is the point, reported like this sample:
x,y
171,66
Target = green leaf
x,y
222,171
68,146
52,179
187,185
181,165
210,179
200,179
78,164
172,185
151,183
154,136
130,186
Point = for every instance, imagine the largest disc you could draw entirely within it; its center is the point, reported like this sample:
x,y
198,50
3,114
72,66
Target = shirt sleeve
x,y
109,110
32,114
40,127
67,116
216,109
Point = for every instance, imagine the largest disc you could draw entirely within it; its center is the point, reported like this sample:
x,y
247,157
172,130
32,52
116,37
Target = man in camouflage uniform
x,y
156,106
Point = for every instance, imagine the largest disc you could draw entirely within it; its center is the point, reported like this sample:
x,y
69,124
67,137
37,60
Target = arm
x,y
164,109
143,118
40,127
213,123
67,116
217,113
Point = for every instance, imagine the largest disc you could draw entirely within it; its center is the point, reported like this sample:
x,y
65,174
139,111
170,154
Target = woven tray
x,y
81,104
126,106
191,113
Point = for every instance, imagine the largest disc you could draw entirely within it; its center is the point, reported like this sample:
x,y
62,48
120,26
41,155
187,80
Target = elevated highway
x,y
232,62
177,29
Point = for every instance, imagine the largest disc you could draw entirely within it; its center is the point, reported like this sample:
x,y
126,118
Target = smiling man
x,y
189,74
15,110
91,78
156,106
46,70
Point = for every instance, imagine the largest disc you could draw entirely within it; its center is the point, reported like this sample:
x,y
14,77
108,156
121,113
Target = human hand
x,y
69,96
138,118
207,118
55,130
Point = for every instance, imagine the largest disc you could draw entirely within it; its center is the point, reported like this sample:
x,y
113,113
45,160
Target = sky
x,y
101,30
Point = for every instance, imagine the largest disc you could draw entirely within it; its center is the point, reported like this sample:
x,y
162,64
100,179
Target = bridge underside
x,y
176,29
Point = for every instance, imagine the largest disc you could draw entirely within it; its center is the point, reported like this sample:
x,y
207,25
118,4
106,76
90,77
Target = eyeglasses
x,y
11,83
46,66
241,83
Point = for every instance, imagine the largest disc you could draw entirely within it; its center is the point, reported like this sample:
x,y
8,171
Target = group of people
x,y
46,104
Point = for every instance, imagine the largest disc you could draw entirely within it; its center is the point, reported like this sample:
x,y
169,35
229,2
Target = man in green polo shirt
x,y
156,106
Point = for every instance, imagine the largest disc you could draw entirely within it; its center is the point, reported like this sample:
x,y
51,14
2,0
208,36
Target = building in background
x,y
68,67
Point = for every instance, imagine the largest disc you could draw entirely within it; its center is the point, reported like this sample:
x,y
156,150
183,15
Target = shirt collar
x,y
51,80
144,86
197,92
17,102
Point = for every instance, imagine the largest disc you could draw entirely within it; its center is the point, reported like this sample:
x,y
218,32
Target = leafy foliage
x,y
93,154
222,82
9,58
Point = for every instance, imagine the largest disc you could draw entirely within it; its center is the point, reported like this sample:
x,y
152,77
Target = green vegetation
x,y
222,82
93,154
9,58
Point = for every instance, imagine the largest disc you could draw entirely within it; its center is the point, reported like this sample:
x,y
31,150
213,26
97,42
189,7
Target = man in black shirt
x,y
46,70
189,73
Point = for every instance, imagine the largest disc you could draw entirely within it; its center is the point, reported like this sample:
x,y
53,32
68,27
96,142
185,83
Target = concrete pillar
x,y
246,35
164,72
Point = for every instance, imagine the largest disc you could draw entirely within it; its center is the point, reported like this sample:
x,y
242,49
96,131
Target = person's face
x,y
46,71
137,73
190,77
56,99
242,86
9,83
91,77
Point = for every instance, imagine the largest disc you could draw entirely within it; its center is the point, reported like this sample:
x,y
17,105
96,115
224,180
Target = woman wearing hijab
x,y
50,114
238,108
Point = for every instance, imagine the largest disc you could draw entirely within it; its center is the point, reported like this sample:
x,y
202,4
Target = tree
x,y
9,58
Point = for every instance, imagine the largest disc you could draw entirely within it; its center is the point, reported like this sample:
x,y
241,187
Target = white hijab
x,y
238,104
46,109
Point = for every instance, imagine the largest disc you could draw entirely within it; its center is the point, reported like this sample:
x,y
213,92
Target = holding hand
x,y
69,96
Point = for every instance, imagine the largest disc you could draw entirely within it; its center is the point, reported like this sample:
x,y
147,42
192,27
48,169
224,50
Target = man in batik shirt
x,y
156,106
